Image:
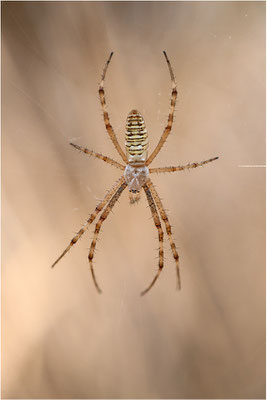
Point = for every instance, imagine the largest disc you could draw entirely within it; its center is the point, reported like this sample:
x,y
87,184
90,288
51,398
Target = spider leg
x,y
105,113
98,155
156,219
182,167
102,218
168,228
99,207
168,127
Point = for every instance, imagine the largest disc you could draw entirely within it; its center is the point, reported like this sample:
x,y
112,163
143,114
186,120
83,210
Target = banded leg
x,y
102,218
181,167
105,113
168,229
99,207
168,128
98,155
156,219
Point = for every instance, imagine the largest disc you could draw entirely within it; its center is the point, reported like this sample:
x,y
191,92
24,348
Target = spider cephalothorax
x,y
135,176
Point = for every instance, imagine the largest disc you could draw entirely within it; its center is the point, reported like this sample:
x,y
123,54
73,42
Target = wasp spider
x,y
135,175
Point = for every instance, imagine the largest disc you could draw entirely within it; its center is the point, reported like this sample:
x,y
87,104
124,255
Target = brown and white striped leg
x,y
98,155
105,113
156,219
168,228
168,128
181,167
102,218
99,207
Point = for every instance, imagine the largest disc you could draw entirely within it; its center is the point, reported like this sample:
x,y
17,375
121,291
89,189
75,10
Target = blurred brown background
x,y
60,338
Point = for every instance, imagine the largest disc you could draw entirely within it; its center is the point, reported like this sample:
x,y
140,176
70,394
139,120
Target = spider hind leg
x,y
108,126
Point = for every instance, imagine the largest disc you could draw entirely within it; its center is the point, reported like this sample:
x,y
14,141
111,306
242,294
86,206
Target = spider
x,y
135,176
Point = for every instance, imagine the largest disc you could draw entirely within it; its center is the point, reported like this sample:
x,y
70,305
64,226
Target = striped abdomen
x,y
136,140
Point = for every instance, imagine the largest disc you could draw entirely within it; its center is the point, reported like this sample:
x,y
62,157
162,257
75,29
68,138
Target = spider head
x,y
134,197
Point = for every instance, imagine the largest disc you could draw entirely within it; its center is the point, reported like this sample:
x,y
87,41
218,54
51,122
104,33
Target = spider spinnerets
x,y
135,176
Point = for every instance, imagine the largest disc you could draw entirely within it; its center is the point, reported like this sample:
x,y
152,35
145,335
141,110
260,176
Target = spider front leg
x,y
156,219
168,229
99,207
102,218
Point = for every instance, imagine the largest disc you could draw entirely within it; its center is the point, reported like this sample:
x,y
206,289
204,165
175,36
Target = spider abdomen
x,y
136,138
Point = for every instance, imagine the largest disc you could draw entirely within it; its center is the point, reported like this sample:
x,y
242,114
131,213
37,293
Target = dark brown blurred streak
x,y
60,338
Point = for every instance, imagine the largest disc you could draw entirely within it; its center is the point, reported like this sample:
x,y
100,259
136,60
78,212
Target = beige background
x,y
60,338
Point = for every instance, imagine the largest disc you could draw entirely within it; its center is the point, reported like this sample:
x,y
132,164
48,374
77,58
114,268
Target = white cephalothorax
x,y
135,177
